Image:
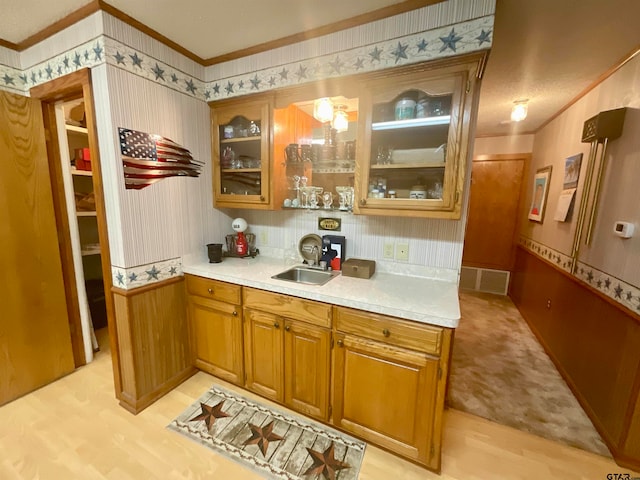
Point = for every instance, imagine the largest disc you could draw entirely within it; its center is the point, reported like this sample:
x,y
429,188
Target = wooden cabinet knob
x,y
363,201
287,328
210,290
261,198
340,343
386,332
276,325
235,314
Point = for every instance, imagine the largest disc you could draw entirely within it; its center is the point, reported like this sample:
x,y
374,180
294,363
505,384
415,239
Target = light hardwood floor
x,y
74,429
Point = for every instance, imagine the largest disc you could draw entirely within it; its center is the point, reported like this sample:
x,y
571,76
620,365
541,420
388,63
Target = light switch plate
x,y
402,251
388,250
264,237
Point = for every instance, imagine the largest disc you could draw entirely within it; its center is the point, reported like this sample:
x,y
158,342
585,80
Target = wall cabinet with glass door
x,y
314,154
414,137
241,161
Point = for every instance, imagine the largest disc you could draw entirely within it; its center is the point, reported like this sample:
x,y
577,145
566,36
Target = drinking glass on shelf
x,y
313,199
304,197
314,196
327,200
349,198
345,197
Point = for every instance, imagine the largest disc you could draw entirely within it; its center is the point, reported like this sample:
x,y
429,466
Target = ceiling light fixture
x,y
323,110
519,110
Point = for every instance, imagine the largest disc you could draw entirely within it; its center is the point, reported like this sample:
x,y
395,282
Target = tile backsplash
x,y
435,246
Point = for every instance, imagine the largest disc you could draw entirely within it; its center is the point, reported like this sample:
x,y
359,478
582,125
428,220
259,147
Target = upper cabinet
x,y
314,162
241,153
414,133
392,142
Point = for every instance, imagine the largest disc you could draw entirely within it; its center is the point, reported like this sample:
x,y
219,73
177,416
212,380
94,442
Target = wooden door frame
x,y
499,157
73,86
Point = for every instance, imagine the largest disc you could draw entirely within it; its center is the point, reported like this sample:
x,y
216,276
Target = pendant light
x,y
323,110
340,119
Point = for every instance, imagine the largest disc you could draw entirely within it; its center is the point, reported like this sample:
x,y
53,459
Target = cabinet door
x,y
387,395
241,157
216,338
415,137
263,353
306,369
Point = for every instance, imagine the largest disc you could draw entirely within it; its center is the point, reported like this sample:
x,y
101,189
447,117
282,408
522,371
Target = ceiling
x,y
547,51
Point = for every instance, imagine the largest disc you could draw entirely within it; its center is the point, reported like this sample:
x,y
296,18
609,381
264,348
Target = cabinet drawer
x,y
222,291
291,307
424,338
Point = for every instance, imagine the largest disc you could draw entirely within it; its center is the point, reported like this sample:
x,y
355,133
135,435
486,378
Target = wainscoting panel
x,y
594,343
153,340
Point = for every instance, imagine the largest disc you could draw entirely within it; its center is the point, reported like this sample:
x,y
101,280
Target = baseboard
x,y
627,462
135,406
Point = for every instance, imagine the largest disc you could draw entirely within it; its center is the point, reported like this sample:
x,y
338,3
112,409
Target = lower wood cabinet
x,y
389,382
381,378
288,361
307,368
263,354
216,328
385,394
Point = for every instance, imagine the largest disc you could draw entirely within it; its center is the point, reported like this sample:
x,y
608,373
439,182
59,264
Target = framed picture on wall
x,y
540,192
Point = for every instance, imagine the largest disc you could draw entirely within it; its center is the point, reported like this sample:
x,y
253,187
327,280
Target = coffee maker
x,y
333,250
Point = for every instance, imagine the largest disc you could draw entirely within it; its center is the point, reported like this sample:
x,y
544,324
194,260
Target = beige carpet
x,y
500,372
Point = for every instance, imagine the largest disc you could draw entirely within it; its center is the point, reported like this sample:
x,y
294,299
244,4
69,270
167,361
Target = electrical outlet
x,y
264,237
402,251
388,250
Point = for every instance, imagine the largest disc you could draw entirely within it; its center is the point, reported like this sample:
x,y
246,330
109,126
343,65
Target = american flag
x,y
149,158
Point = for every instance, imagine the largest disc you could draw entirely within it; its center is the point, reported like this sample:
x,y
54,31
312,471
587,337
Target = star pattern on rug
x,y
262,436
325,463
210,414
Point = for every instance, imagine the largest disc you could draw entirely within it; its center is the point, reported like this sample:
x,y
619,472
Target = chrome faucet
x,y
317,263
316,256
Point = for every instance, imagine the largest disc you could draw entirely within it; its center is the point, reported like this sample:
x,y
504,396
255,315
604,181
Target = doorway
x,y
493,222
78,201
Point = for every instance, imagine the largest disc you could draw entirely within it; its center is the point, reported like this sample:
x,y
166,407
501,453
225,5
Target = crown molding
x,y
616,66
101,5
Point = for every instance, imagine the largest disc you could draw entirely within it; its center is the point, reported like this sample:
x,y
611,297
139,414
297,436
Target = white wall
x,y
620,196
503,145
10,58
172,217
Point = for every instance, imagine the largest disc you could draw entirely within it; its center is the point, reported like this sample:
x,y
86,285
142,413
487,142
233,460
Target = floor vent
x,y
484,280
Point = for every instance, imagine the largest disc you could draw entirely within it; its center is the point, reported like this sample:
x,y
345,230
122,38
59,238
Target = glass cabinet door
x,y
414,132
241,154
315,160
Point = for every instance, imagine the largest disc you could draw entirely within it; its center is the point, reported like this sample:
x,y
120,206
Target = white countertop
x,y
413,298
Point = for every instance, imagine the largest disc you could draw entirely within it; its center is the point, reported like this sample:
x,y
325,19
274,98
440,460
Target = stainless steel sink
x,y
306,275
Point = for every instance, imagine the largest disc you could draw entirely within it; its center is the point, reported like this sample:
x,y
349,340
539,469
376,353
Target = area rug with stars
x,y
275,444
